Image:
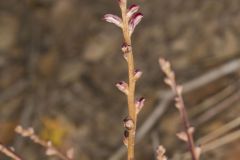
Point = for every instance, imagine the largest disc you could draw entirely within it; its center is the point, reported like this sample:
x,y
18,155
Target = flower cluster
x,y
133,17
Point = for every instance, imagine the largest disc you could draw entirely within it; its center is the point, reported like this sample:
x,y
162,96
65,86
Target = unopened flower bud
x,y
182,136
128,123
126,48
137,74
139,104
24,132
123,87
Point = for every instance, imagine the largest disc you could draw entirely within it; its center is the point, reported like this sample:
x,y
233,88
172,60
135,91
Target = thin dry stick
x,y
229,138
50,149
213,100
216,73
222,130
222,141
217,109
9,152
130,19
187,135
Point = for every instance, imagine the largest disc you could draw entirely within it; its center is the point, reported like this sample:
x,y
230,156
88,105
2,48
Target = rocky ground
x,y
59,63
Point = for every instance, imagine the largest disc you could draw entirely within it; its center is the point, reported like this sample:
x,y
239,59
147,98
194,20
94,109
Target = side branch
x,y
50,149
187,134
9,152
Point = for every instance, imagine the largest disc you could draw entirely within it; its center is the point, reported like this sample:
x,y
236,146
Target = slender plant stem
x,y
50,149
186,125
179,102
8,152
131,81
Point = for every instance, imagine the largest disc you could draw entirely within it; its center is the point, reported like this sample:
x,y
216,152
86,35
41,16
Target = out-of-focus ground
x,y
59,62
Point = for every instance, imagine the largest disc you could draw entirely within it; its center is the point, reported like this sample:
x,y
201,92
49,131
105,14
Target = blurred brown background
x,y
59,62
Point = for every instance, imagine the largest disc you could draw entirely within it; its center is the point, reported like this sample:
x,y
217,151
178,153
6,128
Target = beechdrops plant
x,y
128,22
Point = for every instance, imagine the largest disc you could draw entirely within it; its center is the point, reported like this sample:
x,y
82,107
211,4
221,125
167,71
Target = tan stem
x,y
131,81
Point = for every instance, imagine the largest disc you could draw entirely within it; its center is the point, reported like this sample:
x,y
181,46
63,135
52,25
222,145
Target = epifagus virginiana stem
x,y
128,22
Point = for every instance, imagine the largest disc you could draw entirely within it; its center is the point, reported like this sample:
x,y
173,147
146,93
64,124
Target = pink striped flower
x,y
113,19
134,21
132,10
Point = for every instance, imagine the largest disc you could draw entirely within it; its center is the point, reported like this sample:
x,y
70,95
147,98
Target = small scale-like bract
x,y
128,123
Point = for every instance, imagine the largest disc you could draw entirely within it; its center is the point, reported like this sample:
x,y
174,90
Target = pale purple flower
x,y
132,10
113,19
139,104
137,74
134,21
122,86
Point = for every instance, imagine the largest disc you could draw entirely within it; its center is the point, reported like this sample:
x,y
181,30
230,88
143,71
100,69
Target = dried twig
x,y
209,114
221,141
220,131
214,74
187,135
50,149
213,100
233,136
129,20
9,152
